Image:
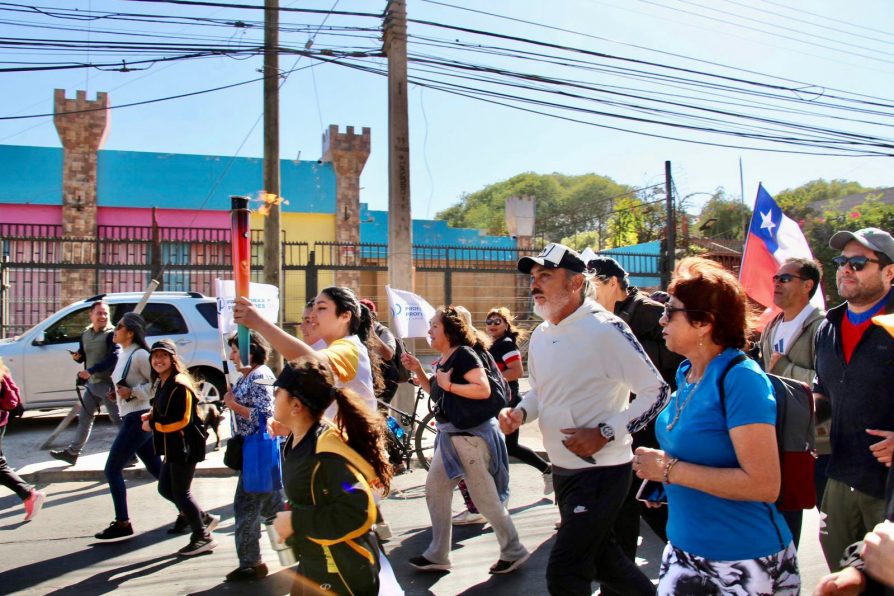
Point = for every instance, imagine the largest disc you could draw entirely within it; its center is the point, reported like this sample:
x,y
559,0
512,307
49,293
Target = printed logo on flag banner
x,y
410,313
265,298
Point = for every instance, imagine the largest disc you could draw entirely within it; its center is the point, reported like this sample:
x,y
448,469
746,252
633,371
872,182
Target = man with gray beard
x,y
583,363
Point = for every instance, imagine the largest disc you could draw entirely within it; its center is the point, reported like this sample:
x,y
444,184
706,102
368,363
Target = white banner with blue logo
x,y
410,313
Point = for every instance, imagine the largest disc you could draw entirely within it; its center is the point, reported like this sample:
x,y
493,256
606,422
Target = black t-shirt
x,y
505,350
460,362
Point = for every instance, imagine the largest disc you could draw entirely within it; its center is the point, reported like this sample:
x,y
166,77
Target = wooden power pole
x,y
400,235
671,237
272,223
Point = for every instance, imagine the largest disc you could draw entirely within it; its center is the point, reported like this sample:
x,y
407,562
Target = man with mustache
x,y
583,363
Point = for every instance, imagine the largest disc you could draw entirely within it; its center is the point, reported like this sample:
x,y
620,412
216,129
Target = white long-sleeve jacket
x,y
582,372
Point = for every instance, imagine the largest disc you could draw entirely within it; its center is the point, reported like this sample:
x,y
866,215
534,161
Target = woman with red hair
x,y
718,460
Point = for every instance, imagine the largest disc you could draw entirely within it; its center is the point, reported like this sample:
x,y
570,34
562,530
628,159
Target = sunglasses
x,y
670,310
120,326
494,321
856,262
785,278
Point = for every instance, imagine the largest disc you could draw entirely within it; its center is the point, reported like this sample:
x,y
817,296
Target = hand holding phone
x,y
652,492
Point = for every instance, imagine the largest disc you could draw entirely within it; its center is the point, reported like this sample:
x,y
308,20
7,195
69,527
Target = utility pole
x,y
272,223
400,236
671,239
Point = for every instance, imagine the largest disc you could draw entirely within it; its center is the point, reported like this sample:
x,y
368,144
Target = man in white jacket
x,y
583,364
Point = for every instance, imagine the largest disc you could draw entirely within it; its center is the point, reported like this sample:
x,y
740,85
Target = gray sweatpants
x,y
94,395
475,457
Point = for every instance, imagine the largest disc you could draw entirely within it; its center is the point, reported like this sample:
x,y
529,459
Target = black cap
x,y
165,345
554,256
293,379
606,267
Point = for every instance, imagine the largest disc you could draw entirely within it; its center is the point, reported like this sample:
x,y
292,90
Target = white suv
x,y
44,371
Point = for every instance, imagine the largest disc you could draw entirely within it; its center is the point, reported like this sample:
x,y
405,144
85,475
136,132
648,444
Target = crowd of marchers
x,y
669,408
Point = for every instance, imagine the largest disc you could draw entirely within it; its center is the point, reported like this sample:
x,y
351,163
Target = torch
x,y
239,234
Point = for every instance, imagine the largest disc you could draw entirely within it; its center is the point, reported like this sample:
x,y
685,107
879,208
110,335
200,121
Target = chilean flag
x,y
772,238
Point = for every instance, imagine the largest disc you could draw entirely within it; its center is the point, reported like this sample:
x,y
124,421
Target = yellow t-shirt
x,y
350,363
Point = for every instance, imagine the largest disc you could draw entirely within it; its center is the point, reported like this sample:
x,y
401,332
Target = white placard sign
x,y
410,313
265,297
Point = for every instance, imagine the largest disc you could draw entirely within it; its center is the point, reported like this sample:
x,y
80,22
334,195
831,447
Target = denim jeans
x,y
585,548
94,396
131,439
250,510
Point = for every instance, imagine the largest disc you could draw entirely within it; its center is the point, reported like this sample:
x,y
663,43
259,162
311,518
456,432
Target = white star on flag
x,y
767,222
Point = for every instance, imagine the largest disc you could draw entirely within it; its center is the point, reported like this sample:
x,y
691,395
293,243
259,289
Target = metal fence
x,y
37,262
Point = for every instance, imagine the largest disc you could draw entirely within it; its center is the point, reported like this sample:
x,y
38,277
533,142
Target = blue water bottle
x,y
394,427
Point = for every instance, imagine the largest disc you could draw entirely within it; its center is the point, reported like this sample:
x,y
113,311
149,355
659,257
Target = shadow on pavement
x,y
111,579
518,581
277,583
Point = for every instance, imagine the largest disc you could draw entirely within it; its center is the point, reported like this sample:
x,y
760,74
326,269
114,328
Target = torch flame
x,y
268,200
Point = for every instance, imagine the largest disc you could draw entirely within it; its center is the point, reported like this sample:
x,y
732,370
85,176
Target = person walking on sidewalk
x,y
99,353
500,326
10,400
583,364
472,449
329,475
251,402
133,383
180,439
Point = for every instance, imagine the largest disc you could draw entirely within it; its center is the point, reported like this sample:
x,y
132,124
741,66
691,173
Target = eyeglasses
x,y
856,262
670,310
494,321
785,278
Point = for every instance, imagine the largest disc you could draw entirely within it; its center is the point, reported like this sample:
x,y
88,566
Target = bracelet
x,y
667,469
450,389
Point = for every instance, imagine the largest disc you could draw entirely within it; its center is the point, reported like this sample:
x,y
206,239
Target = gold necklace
x,y
678,409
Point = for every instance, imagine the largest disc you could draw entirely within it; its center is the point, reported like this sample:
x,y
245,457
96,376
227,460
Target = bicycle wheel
x,y
426,432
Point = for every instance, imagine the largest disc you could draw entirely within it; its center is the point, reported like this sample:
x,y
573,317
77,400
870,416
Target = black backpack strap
x,y
721,380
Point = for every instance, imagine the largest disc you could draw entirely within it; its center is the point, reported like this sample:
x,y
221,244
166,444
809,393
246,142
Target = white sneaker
x,y
548,483
467,518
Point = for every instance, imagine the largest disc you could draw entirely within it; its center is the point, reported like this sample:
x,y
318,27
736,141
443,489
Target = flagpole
x,y
745,247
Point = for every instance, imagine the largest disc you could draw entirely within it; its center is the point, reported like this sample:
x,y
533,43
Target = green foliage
x,y
730,218
796,202
579,209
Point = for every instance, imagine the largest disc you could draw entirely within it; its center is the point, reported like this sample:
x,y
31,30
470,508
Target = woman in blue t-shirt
x,y
718,461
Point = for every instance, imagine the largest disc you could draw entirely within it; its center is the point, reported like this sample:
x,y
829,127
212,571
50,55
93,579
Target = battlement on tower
x,y
82,123
335,142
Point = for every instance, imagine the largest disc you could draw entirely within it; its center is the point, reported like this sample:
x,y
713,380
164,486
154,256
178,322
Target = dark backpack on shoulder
x,y
795,438
500,393
402,375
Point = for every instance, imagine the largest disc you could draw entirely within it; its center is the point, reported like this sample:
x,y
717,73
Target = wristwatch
x,y
607,432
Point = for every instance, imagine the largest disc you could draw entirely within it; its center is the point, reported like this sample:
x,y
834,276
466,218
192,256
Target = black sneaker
x,y
197,546
115,531
64,455
181,525
131,462
423,564
247,574
210,520
502,566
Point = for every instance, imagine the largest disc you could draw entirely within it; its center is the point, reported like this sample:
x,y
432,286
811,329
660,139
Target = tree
x,y
730,217
575,208
799,203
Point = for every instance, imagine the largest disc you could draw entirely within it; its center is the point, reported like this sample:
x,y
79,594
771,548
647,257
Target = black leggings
x,y
174,483
524,454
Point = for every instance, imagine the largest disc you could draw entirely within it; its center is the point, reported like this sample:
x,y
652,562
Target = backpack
x,y
795,437
500,393
467,413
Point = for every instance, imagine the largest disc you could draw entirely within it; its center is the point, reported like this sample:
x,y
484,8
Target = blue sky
x,y
461,145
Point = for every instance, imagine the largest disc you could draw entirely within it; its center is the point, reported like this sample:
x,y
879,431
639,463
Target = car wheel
x,y
209,383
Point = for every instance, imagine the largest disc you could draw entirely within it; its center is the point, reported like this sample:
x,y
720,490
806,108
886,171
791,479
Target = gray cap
x,y
872,238
554,256
165,345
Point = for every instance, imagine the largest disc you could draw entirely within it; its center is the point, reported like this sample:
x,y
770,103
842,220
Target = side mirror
x,y
40,340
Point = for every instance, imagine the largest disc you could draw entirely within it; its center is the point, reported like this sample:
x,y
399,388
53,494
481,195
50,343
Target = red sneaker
x,y
33,504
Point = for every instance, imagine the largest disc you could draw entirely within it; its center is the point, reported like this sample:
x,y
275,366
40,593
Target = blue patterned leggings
x,y
684,574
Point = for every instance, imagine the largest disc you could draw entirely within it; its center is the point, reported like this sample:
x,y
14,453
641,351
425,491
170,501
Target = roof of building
x,y
848,202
